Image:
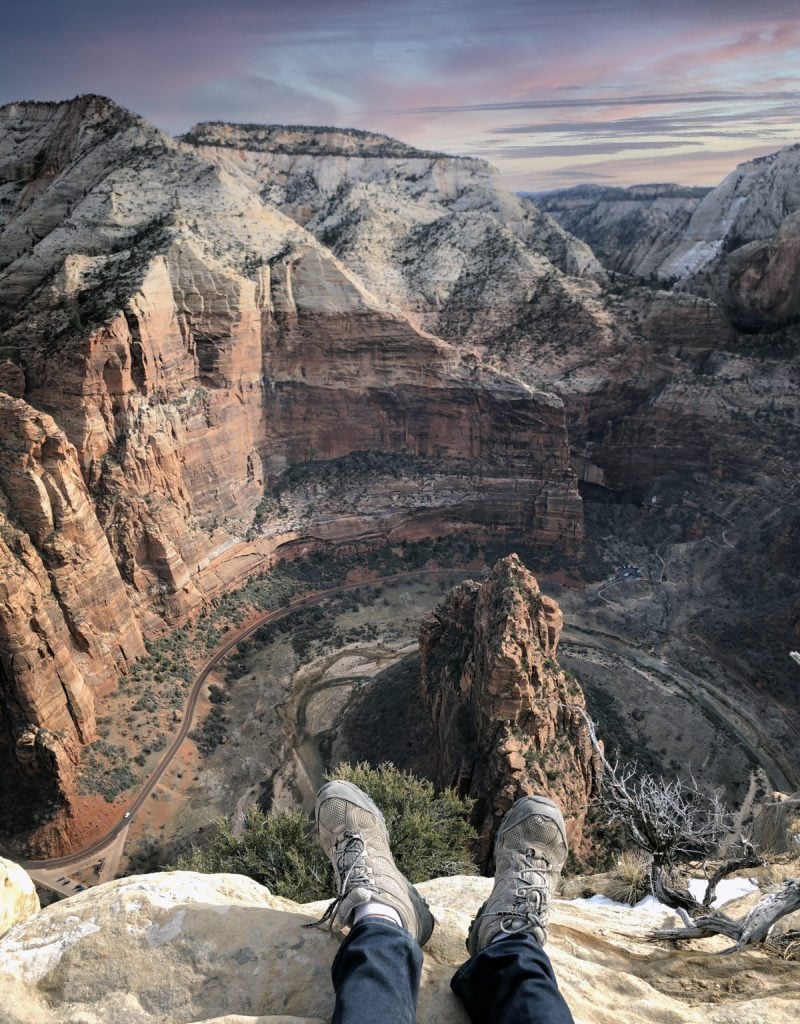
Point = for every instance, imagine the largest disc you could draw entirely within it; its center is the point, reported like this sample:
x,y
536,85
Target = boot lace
x,y
531,897
352,870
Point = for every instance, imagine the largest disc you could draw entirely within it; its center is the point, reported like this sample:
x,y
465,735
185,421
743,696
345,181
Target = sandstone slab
x,y
18,898
175,948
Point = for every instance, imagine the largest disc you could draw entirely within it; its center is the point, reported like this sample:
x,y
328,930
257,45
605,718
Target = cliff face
x,y
434,236
504,711
66,623
736,244
172,344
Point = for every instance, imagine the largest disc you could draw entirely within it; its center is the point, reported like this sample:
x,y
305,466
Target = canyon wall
x,y
507,719
630,230
260,335
736,244
172,345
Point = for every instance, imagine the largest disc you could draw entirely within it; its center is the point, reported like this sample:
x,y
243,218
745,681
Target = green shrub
x,y
278,850
430,837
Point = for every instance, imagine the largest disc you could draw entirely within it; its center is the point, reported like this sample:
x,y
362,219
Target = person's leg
x,y
377,969
511,981
376,975
509,978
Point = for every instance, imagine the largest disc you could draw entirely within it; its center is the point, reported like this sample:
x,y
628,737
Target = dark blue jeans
x,y
377,970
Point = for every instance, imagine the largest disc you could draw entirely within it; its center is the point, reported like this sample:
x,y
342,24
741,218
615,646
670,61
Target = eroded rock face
x,y
66,624
218,949
631,230
736,244
179,344
508,718
435,236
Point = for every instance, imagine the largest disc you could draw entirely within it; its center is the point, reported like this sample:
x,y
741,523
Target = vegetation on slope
x,y
430,835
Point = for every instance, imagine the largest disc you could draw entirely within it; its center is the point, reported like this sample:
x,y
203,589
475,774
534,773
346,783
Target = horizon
x,y
553,95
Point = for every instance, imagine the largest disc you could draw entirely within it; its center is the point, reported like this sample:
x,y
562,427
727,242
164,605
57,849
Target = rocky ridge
x,y
434,236
207,355
220,949
736,244
508,721
741,244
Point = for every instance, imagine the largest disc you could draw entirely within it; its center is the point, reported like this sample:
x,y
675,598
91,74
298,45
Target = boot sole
x,y
517,813
524,808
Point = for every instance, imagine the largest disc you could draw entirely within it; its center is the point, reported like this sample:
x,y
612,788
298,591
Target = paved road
x,y
90,853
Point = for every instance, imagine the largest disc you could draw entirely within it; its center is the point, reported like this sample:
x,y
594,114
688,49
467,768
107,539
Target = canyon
x,y
254,342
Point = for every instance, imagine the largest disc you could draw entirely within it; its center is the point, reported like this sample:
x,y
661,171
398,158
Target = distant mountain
x,y
436,237
742,244
738,244
631,230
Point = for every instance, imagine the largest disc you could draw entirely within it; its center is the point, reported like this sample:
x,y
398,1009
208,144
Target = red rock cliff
x,y
175,345
66,624
502,707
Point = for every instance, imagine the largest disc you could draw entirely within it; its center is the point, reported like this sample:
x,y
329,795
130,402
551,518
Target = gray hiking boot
x,y
353,834
530,850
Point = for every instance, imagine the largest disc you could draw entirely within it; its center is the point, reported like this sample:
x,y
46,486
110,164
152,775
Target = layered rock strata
x,y
435,236
67,628
508,719
172,345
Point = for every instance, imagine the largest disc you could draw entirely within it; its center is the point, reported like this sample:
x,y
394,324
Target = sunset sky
x,y
553,93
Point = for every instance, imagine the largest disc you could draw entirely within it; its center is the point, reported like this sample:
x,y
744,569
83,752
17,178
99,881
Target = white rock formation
x,y
422,230
631,230
181,947
18,898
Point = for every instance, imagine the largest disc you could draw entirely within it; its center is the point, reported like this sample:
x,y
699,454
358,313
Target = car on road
x,y
127,814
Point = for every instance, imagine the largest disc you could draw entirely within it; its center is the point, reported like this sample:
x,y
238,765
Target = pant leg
x,y
376,975
511,981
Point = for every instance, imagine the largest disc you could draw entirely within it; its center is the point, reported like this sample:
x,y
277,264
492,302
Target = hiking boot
x,y
353,834
530,850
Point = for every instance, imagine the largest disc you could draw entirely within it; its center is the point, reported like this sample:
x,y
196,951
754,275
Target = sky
x,y
552,92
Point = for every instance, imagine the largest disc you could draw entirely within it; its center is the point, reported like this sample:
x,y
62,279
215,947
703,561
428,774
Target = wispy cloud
x,y
578,102
575,149
555,90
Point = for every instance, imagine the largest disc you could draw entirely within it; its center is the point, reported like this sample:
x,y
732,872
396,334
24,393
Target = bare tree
x,y
754,927
674,822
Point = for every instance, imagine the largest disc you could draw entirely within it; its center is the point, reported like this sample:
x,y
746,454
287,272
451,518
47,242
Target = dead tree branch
x,y
752,928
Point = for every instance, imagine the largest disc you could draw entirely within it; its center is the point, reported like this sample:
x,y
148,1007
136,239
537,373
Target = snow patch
x,y
727,890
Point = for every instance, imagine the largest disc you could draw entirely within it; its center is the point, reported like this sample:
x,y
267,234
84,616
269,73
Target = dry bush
x,y
630,879
786,945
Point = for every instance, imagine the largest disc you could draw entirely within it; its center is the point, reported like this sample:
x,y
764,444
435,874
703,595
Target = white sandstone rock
x,y
219,949
18,898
